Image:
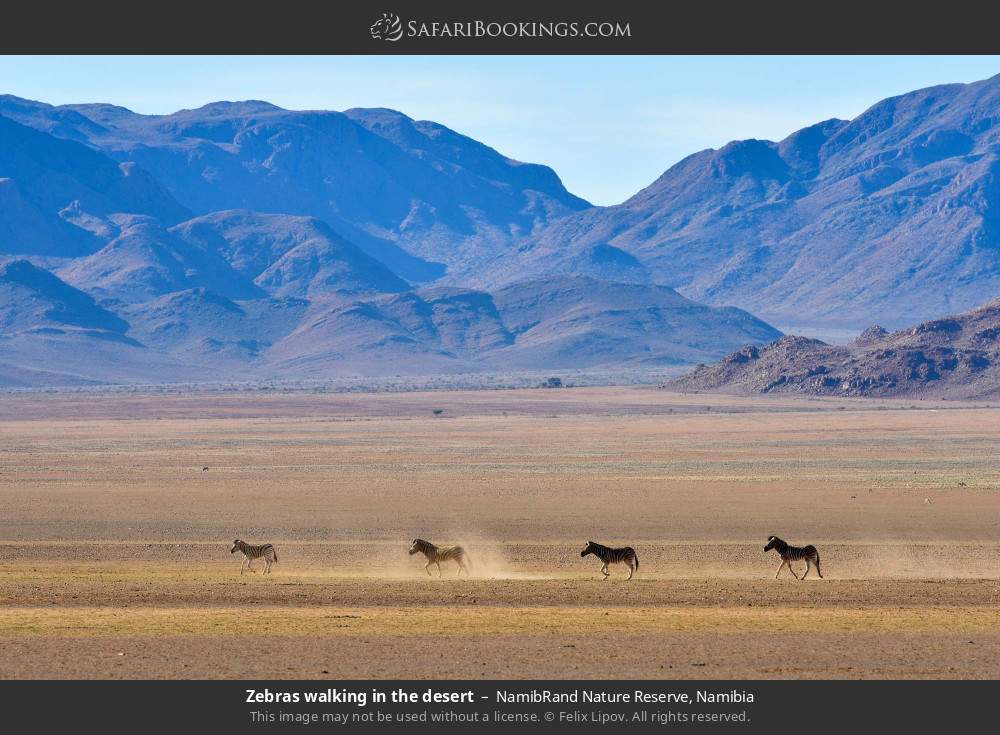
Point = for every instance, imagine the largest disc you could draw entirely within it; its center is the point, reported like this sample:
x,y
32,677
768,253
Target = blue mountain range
x,y
241,240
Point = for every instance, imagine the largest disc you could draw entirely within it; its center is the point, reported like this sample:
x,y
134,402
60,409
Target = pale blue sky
x,y
608,125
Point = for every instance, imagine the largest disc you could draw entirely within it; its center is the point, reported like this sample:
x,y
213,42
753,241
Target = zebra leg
x,y
243,565
808,567
605,572
427,569
440,573
780,567
792,570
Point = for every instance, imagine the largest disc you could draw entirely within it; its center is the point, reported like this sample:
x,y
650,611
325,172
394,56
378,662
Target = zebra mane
x,y
421,544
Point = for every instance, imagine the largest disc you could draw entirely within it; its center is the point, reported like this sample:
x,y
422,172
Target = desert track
x,y
114,558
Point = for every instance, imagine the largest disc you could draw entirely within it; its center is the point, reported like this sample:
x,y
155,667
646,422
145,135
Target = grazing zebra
x,y
794,553
608,555
438,554
251,552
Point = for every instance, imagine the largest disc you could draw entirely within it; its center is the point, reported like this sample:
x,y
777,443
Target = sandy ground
x,y
114,540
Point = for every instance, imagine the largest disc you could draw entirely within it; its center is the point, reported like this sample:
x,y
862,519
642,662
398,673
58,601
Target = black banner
x,y
502,706
514,26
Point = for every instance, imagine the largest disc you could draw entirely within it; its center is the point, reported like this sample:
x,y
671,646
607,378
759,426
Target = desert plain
x,y
118,509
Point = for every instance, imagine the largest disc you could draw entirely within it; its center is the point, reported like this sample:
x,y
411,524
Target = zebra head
x,y
417,546
236,546
589,550
772,543
387,28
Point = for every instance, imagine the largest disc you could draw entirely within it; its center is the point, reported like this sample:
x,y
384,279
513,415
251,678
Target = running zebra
x,y
794,553
438,554
608,555
251,552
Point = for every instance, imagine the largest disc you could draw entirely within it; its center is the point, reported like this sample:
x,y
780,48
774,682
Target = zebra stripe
x,y
790,553
438,554
608,555
251,552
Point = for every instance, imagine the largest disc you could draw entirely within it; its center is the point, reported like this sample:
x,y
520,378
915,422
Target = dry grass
x,y
484,621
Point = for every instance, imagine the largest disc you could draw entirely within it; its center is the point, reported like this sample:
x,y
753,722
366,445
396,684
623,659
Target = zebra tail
x,y
636,557
275,552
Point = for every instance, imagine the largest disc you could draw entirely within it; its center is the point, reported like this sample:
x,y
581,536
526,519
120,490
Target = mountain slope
x,y
47,183
54,334
145,261
351,338
208,329
896,212
287,255
33,298
953,357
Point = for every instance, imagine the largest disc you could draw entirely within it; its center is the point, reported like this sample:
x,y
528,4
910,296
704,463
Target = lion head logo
x,y
387,28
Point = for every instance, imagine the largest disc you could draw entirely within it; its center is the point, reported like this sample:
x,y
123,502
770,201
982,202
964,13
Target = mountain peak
x,y
234,108
20,270
31,297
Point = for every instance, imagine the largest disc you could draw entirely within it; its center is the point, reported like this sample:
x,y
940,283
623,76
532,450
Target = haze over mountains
x,y
242,241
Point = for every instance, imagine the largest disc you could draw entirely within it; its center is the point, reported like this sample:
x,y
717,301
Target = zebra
x,y
608,555
438,554
251,552
794,553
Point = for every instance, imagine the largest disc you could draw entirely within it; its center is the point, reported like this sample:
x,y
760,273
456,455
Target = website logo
x,y
387,28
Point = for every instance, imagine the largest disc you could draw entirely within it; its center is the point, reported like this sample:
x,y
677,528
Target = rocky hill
x,y
954,357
